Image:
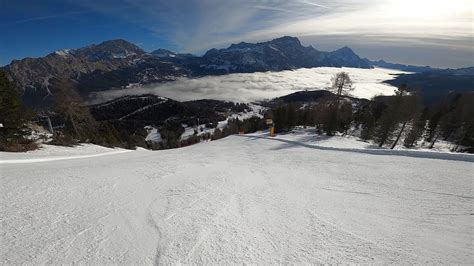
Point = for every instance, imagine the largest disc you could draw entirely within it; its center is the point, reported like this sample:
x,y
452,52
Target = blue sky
x,y
421,32
36,28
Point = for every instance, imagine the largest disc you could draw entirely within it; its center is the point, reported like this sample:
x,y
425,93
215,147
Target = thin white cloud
x,y
197,25
384,22
315,4
378,19
38,18
274,9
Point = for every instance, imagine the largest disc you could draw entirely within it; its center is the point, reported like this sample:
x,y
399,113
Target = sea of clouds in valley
x,y
248,87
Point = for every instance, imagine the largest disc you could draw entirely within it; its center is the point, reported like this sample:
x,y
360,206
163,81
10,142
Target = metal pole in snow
x,y
50,126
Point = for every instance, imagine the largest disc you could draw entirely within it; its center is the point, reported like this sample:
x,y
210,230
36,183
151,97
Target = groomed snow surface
x,y
242,199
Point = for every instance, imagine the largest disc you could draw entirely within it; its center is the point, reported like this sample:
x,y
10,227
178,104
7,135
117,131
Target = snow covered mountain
x,y
283,53
279,54
163,53
117,64
109,50
167,54
111,64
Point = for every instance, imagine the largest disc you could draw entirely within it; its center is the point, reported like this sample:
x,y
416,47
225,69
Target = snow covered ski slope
x,y
241,199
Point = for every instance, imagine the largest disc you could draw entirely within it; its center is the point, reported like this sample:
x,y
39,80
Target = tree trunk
x,y
338,98
384,137
434,140
456,148
50,126
382,141
398,136
73,125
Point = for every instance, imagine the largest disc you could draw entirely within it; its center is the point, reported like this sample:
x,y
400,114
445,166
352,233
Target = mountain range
x,y
118,64
283,53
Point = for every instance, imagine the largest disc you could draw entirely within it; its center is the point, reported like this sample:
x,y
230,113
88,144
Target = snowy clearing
x,y
250,87
242,199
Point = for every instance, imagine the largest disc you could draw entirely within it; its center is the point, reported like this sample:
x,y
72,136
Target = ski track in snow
x,y
238,200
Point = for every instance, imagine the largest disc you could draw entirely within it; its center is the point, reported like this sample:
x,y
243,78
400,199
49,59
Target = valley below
x,y
259,86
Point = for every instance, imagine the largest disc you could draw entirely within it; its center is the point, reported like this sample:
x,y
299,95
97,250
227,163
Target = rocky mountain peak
x,y
163,53
241,45
113,49
278,54
286,41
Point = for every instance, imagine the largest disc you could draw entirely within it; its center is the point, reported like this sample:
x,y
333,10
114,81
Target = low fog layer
x,y
260,86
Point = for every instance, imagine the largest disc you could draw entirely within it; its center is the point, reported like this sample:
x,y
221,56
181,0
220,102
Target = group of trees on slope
x,y
386,120
72,122
75,123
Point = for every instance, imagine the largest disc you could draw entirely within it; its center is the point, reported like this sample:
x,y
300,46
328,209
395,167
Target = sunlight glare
x,y
428,9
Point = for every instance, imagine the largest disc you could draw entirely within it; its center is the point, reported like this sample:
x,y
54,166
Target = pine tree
x,y
341,84
367,118
280,118
336,116
13,113
13,118
416,130
407,107
290,116
462,122
399,110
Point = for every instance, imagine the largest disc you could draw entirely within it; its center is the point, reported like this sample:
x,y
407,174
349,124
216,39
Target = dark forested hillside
x,y
14,117
435,85
154,110
388,121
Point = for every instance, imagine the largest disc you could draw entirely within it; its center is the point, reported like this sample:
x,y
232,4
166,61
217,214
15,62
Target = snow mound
x,y
49,153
